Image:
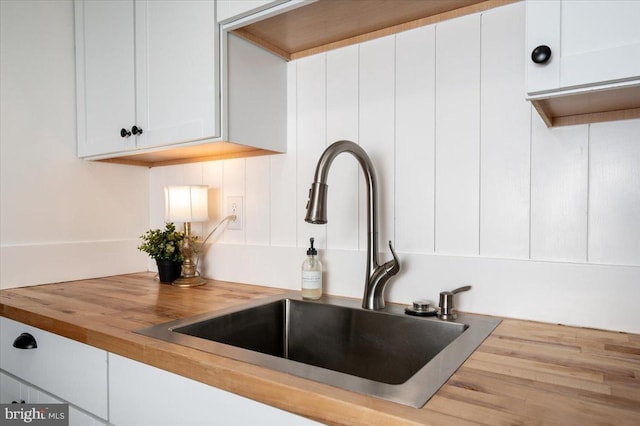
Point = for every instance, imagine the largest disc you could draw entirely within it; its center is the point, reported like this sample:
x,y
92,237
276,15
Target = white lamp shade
x,y
186,203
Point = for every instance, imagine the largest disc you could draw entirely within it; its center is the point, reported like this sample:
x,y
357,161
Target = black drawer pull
x,y
25,341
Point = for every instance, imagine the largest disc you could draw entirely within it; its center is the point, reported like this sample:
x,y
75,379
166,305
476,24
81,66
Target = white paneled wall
x,y
342,117
415,141
457,200
474,189
505,148
311,138
614,193
377,125
559,192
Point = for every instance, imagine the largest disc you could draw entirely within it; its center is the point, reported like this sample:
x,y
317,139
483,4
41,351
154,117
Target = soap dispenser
x,y
311,274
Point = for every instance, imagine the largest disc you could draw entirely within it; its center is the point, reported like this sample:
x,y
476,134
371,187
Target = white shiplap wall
x,y
544,223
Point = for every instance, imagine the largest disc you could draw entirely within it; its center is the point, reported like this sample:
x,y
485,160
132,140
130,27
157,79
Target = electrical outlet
x,y
234,206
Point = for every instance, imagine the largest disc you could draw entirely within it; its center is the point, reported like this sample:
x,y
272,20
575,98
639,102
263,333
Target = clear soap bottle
x,y
311,274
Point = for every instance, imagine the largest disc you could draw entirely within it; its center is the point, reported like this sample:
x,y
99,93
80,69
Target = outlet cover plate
x,y
234,206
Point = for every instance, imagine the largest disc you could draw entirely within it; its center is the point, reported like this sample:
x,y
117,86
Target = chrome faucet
x,y
377,275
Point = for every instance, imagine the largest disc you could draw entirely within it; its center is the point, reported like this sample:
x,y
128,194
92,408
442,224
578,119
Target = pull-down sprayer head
x,y
317,204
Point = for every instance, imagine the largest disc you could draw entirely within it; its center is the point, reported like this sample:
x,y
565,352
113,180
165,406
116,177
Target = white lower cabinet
x,y
14,390
69,370
103,388
140,394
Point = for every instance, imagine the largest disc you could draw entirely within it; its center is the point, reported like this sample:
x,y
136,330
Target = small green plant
x,y
163,244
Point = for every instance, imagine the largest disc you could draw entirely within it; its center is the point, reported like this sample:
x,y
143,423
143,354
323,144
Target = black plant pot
x,y
168,270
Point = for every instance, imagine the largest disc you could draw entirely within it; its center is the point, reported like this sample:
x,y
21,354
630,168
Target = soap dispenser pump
x,y
311,274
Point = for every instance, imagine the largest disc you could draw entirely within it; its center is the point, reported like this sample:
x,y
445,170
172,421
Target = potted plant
x,y
163,245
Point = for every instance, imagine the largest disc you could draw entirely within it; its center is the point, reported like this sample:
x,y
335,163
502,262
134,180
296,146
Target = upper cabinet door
x,y
177,73
593,43
600,42
105,75
233,9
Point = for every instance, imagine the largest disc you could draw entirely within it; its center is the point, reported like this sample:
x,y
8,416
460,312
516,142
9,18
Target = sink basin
x,y
385,348
386,354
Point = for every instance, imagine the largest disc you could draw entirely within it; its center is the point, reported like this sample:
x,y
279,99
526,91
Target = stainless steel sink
x,y
386,353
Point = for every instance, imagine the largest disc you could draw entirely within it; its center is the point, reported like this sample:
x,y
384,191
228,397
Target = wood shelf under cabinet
x,y
329,24
593,106
189,154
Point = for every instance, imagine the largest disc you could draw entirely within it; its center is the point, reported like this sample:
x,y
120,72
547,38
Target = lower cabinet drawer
x,y
17,392
72,371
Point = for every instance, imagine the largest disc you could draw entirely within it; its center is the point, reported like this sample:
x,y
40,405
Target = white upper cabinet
x,y
591,42
148,64
592,47
233,9
159,82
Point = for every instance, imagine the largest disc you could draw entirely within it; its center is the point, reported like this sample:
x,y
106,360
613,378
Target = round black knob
x,y
25,341
541,54
125,133
136,130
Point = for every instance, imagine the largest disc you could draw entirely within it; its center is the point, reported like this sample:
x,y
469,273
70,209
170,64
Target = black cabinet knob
x,y
136,130
541,54
124,133
25,341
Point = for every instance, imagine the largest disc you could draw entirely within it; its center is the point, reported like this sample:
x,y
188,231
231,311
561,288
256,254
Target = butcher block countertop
x,y
524,372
